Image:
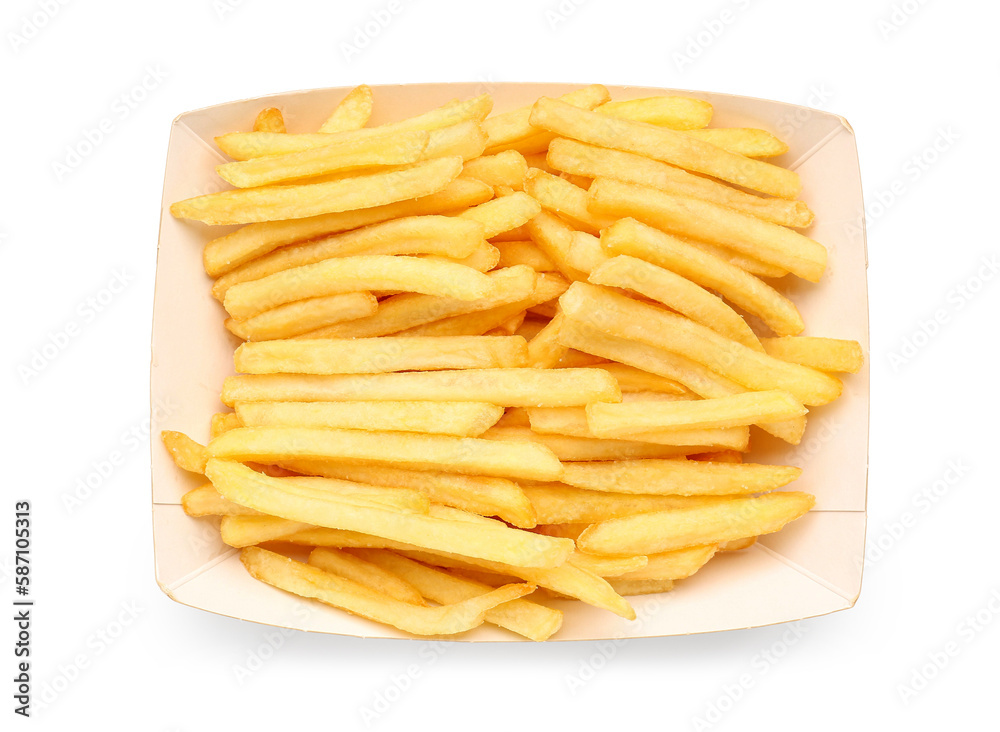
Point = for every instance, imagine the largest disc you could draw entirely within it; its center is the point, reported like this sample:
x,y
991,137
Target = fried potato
x,y
352,113
678,477
186,453
357,569
302,316
823,354
752,143
269,120
678,113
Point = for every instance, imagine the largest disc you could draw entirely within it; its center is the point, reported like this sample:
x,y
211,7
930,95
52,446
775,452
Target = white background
x,y
916,80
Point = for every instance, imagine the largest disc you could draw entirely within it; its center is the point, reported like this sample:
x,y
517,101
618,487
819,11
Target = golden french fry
x,y
406,147
607,566
748,141
462,419
305,581
678,528
295,318
524,252
503,214
223,422
544,350
673,565
380,355
631,588
678,477
357,569
736,545
623,317
823,354
573,252
635,419
270,203
466,455
677,293
503,169
569,448
678,113
555,503
186,453
660,143
269,120
206,501
636,381
523,617
562,197
516,387
577,158
351,274
707,221
228,252
353,112
754,266
475,494
493,541
513,130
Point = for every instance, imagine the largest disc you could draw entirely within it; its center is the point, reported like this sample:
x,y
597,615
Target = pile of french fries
x,y
490,355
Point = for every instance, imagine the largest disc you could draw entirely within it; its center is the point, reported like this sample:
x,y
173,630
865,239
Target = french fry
x,y
633,420
748,141
736,545
678,113
514,387
271,203
523,617
353,112
305,581
493,541
269,120
544,350
707,221
655,327
555,503
483,258
577,158
607,566
823,354
661,531
678,477
513,130
526,253
631,588
675,565
565,199
351,274
503,214
570,250
569,448
405,312
466,455
186,453
358,569
343,491
228,252
406,147
677,293
754,266
380,355
503,169
206,501
636,381
660,143
462,419
223,422
475,494
302,316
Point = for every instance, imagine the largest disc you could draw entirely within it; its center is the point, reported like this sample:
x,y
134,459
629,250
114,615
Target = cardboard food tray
x,y
810,568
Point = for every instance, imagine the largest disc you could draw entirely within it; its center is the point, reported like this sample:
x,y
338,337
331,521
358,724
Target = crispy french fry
x,y
633,420
544,350
631,588
223,422
748,141
524,252
493,541
503,169
678,528
607,566
569,448
269,120
295,318
574,253
462,419
186,453
636,381
555,503
380,355
476,494
571,156
523,617
466,455
823,354
513,130
674,565
678,477
351,274
660,143
503,214
736,545
754,266
507,387
228,252
206,501
562,197
678,113
677,293
647,324
310,582
707,221
358,569
353,112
